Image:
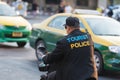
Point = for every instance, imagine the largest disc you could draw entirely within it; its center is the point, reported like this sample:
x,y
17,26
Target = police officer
x,y
74,55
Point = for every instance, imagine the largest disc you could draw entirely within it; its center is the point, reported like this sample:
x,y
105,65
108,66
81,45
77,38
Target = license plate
x,y
17,34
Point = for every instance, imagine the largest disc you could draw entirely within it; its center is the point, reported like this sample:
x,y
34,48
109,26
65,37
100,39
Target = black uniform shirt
x,y
74,54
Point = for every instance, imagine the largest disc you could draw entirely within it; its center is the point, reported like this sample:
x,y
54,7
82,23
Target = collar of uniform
x,y
74,31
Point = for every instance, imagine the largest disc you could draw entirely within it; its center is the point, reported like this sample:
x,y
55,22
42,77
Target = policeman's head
x,y
71,24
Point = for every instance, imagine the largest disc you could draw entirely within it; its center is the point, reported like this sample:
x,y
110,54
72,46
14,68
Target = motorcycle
x,y
43,67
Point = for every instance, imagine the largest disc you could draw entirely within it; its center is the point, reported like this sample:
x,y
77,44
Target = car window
x,y
104,26
58,22
6,10
81,25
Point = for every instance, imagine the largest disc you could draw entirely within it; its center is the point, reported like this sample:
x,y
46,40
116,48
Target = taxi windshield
x,y
104,26
6,10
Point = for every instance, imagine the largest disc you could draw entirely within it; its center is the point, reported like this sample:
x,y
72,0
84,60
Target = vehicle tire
x,y
99,62
21,44
37,49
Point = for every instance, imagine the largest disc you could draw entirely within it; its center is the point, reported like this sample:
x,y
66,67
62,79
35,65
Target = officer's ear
x,y
69,28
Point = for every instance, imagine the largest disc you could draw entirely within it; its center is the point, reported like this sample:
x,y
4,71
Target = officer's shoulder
x,y
85,33
63,40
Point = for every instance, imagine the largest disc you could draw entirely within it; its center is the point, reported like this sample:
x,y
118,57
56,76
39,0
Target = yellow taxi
x,y
13,28
105,33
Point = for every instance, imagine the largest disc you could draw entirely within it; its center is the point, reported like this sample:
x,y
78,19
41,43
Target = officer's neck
x,y
72,30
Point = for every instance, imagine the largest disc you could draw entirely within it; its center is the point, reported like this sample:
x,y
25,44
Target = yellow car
x,y
13,28
105,33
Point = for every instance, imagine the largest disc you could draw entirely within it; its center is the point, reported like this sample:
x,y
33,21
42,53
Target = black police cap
x,y
72,22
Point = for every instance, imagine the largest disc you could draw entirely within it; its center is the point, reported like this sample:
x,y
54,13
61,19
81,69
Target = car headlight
x,y
114,49
1,27
29,27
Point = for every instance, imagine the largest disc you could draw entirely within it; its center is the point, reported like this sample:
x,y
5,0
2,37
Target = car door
x,y
54,31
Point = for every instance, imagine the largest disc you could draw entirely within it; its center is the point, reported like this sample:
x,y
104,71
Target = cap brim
x,y
64,24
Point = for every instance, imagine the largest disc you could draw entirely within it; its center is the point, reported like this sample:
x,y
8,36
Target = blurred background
x,y
52,5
